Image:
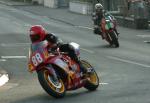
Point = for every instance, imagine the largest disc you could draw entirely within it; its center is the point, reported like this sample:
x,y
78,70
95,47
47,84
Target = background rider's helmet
x,y
37,33
99,7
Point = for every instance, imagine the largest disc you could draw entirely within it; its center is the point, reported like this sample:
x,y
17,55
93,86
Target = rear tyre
x,y
53,87
92,82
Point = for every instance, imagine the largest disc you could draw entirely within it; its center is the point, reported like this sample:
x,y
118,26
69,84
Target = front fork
x,y
52,73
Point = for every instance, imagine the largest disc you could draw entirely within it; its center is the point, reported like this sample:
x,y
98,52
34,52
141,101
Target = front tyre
x,y
92,82
53,87
114,38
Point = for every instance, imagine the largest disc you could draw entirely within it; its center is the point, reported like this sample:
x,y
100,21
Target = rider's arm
x,y
94,16
54,42
50,37
108,14
53,39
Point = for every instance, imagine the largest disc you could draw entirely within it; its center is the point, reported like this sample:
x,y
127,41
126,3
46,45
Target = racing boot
x,y
82,68
116,31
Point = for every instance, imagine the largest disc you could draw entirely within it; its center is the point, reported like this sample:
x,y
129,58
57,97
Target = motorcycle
x,y
58,73
108,26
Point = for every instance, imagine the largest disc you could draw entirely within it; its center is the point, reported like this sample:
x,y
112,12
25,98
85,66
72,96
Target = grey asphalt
x,y
2,72
10,3
59,14
73,19
124,71
68,17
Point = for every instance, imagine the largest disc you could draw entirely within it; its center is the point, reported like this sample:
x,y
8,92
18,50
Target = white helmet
x,y
98,6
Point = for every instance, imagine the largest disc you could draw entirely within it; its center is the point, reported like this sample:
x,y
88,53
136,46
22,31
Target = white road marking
x,y
2,60
128,61
27,25
8,86
16,23
146,41
84,27
144,36
4,19
3,79
13,57
11,85
14,44
103,83
89,51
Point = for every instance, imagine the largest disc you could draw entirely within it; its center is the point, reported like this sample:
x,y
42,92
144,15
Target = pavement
x,y
59,14
13,2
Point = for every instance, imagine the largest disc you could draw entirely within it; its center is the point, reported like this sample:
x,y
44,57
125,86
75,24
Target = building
x,y
63,3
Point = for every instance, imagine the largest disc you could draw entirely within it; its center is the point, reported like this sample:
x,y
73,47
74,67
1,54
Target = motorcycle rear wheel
x,y
92,82
53,88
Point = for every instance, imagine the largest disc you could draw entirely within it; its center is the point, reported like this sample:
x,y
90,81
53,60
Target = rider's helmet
x,y
99,7
37,33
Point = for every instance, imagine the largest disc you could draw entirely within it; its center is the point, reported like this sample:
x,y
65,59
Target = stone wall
x,y
80,7
132,23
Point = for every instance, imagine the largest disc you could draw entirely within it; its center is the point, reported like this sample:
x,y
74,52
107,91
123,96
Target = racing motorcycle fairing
x,y
39,58
38,54
76,47
57,72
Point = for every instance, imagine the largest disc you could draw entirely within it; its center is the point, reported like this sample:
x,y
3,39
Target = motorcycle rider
x,y
38,34
97,17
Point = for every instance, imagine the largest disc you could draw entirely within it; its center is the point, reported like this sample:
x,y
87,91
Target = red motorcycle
x,y
108,26
58,73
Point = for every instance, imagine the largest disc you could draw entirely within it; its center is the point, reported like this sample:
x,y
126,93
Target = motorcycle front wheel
x,y
92,82
54,87
114,39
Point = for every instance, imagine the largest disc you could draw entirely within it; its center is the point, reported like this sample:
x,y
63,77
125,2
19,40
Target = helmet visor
x,y
34,38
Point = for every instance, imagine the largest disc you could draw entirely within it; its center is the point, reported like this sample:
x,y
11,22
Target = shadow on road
x,y
45,98
107,46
